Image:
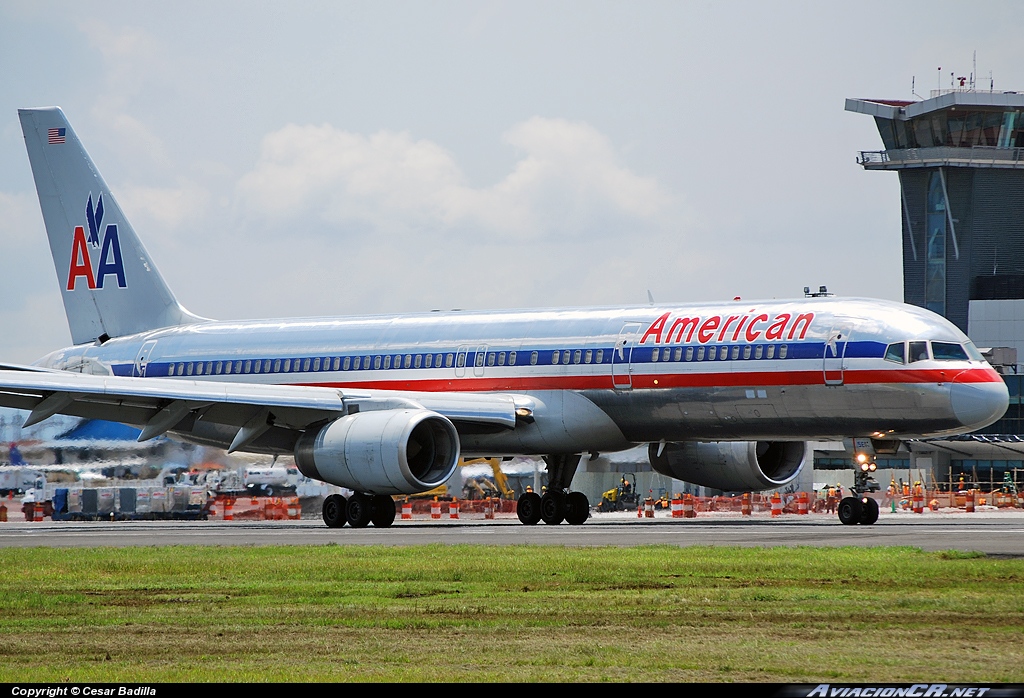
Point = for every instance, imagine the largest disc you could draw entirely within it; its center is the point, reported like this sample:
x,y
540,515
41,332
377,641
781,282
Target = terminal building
x,y
959,157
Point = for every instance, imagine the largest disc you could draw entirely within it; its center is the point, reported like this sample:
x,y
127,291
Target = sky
x,y
337,158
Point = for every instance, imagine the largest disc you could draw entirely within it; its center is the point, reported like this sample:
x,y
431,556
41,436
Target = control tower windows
x,y
935,274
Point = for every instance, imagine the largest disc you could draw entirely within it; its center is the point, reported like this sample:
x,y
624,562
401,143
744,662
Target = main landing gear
x,y
359,510
558,503
858,510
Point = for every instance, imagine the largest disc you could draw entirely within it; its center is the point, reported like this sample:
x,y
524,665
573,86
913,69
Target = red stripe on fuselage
x,y
674,380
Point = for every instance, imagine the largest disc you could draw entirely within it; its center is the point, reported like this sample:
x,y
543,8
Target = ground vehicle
x,y
621,498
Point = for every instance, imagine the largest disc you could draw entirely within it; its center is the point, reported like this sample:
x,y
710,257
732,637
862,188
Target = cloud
x,y
567,183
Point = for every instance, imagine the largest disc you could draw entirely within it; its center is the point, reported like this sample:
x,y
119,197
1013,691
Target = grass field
x,y
474,613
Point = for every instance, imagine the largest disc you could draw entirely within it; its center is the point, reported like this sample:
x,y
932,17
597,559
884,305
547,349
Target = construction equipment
x,y
500,482
622,498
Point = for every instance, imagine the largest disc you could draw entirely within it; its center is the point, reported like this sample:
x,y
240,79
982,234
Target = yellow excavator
x,y
500,480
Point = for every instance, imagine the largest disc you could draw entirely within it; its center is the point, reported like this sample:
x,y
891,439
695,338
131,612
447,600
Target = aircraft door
x,y
460,361
622,356
478,361
142,360
835,352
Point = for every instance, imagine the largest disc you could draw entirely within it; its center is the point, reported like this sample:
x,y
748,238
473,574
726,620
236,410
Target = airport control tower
x,y
960,159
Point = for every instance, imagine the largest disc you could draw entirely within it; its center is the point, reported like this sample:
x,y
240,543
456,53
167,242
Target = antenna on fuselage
x,y
650,297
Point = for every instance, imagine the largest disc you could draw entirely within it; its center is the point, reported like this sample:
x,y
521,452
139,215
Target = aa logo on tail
x,y
82,249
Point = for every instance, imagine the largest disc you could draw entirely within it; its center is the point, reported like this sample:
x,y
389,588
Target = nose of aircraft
x,y
978,404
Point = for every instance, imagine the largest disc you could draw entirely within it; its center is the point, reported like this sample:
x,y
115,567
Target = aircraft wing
x,y
158,405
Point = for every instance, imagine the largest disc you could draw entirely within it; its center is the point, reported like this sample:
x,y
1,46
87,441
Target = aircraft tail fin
x,y
110,286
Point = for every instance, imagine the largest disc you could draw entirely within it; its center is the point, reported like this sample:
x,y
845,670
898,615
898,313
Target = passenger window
x,y
346,363
218,367
448,359
555,355
689,353
654,354
700,353
746,352
533,358
735,353
387,361
181,369
247,366
199,368
758,351
418,361
771,351
170,370
896,353
948,351
462,360
377,361
918,351
491,357
600,356
430,361
589,356
407,361
501,358
305,364
266,366
677,355
511,358
188,368
783,350
316,364
238,367
576,356
256,366
712,353
479,361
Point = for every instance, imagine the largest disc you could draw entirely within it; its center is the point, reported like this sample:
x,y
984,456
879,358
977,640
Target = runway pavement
x,y
992,532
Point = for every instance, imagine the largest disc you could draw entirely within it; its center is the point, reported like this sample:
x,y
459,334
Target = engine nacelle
x,y
731,466
402,451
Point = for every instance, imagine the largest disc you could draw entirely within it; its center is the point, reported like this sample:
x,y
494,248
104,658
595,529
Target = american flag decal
x,y
55,135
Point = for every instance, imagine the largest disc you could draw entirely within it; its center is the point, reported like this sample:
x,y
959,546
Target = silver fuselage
x,y
605,378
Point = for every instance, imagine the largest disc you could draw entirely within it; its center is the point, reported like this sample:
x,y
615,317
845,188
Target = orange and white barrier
x,y
229,509
776,504
801,503
970,501
294,510
689,511
406,510
745,508
649,508
435,509
453,509
677,507
488,509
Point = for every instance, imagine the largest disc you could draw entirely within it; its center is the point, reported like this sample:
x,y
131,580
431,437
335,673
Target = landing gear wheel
x,y
528,508
850,511
359,510
334,511
869,511
383,510
577,508
552,508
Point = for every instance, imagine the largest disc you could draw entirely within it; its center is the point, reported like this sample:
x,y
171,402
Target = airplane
x,y
725,394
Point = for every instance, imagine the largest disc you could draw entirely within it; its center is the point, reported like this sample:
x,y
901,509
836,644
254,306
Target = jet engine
x,y
401,451
731,466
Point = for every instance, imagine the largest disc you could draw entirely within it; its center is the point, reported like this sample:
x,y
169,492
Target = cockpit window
x,y
948,351
896,353
972,351
918,351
